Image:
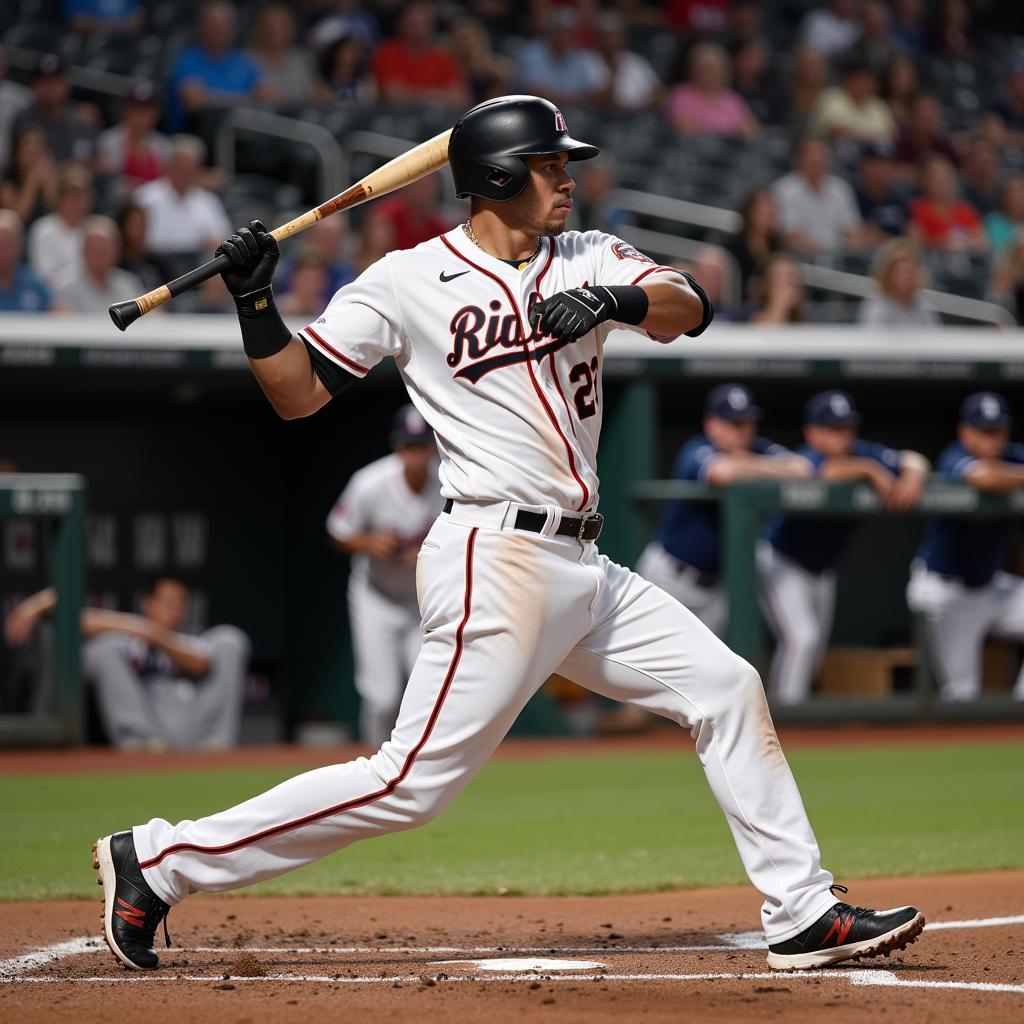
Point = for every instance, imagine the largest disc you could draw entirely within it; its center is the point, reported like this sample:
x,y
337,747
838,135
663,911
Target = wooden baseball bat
x,y
420,161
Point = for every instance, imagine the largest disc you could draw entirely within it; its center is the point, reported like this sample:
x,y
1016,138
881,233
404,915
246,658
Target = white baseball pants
x,y
503,610
959,619
799,605
385,641
679,580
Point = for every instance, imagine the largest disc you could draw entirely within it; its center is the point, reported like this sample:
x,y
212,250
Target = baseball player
x,y
797,557
957,581
381,519
498,328
685,557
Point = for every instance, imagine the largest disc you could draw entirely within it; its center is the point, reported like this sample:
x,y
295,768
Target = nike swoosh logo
x,y
451,277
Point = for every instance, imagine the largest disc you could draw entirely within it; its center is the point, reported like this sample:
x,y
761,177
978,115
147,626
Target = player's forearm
x,y
185,652
289,382
740,466
846,468
993,475
674,307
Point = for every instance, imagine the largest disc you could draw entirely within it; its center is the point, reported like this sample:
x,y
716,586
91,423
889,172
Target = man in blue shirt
x,y
797,557
684,557
21,289
957,581
211,73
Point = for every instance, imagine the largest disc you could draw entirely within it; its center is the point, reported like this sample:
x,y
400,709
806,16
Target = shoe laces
x,y
858,911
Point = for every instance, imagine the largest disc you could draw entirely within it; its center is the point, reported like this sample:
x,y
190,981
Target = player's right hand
x,y
254,254
383,544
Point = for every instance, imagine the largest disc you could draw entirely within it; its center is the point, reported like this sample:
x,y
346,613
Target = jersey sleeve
x,y
813,456
770,449
362,323
955,462
881,453
694,461
1014,453
350,515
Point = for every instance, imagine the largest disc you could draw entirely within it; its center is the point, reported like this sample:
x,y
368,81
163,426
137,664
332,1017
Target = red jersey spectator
x,y
132,150
939,218
413,213
698,17
412,66
923,135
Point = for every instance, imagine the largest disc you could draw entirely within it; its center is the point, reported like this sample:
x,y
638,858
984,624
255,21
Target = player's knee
x,y
738,680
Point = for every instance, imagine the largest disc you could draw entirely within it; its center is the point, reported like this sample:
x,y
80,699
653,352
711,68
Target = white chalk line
x,y
49,954
860,977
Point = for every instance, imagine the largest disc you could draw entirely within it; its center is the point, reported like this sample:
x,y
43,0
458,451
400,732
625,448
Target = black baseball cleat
x,y
131,910
847,933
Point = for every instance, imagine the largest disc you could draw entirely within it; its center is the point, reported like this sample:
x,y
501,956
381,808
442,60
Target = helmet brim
x,y
576,150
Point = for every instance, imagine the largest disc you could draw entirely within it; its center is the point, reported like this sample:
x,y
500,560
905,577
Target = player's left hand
x,y
906,492
570,314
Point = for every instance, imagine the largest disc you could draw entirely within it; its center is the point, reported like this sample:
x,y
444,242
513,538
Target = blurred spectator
x,y
908,25
1005,121
308,291
899,278
14,98
699,18
716,270
877,46
1002,224
816,210
345,19
413,213
1007,285
753,78
286,70
135,258
376,240
326,238
486,73
952,34
68,136
211,72
595,179
182,216
553,66
807,81
757,241
782,298
85,16
132,150
100,283
211,297
705,105
30,185
413,66
900,86
345,70
21,288
882,206
625,80
979,176
923,135
745,25
853,110
939,218
833,28
55,241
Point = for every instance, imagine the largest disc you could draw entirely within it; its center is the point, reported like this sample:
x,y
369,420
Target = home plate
x,y
529,965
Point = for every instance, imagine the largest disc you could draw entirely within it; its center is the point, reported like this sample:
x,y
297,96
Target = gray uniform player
x,y
381,518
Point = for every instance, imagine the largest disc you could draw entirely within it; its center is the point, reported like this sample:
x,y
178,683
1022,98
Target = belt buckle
x,y
590,517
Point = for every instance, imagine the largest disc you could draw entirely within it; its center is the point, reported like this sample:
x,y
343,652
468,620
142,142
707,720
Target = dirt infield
x,y
652,957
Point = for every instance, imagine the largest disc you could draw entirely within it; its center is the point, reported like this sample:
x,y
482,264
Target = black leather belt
x,y
587,527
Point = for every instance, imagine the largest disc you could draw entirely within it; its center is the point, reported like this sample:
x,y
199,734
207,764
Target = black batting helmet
x,y
488,141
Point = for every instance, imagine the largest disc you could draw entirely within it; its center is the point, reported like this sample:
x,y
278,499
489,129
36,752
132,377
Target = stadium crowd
x,y
891,164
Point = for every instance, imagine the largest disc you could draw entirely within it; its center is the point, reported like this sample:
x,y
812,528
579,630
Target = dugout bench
x,y
744,508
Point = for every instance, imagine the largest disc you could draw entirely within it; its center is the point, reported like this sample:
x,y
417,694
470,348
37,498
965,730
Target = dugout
x,y
190,472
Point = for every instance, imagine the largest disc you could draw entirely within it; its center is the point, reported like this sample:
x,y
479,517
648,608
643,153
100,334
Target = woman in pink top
x,y
706,105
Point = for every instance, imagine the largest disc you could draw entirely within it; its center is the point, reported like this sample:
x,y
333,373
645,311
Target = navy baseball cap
x,y
985,410
409,427
878,149
831,409
732,402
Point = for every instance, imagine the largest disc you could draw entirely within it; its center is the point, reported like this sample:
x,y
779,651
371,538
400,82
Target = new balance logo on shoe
x,y
840,928
130,914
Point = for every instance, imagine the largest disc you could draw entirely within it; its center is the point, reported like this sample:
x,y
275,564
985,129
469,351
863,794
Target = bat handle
x,y
126,313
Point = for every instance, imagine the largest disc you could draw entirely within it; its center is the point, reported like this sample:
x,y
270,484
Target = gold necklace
x,y
471,235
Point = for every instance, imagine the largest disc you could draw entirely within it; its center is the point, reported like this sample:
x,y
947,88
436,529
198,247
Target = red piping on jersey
x,y
334,352
529,366
387,790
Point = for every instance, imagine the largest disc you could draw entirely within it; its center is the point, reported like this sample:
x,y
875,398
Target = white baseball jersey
x,y
517,415
378,497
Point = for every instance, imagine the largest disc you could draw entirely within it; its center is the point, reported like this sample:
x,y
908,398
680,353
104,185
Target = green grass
x,y
580,824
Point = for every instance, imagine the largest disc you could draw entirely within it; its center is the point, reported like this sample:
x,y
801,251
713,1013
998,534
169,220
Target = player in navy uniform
x,y
957,581
797,557
684,557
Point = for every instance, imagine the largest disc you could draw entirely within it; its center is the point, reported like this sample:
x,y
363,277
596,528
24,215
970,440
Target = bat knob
x,y
124,313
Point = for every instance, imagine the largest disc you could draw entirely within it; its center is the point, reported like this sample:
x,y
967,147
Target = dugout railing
x,y
744,507
56,713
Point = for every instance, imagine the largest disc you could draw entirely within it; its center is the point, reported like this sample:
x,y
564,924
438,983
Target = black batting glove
x,y
570,314
254,254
